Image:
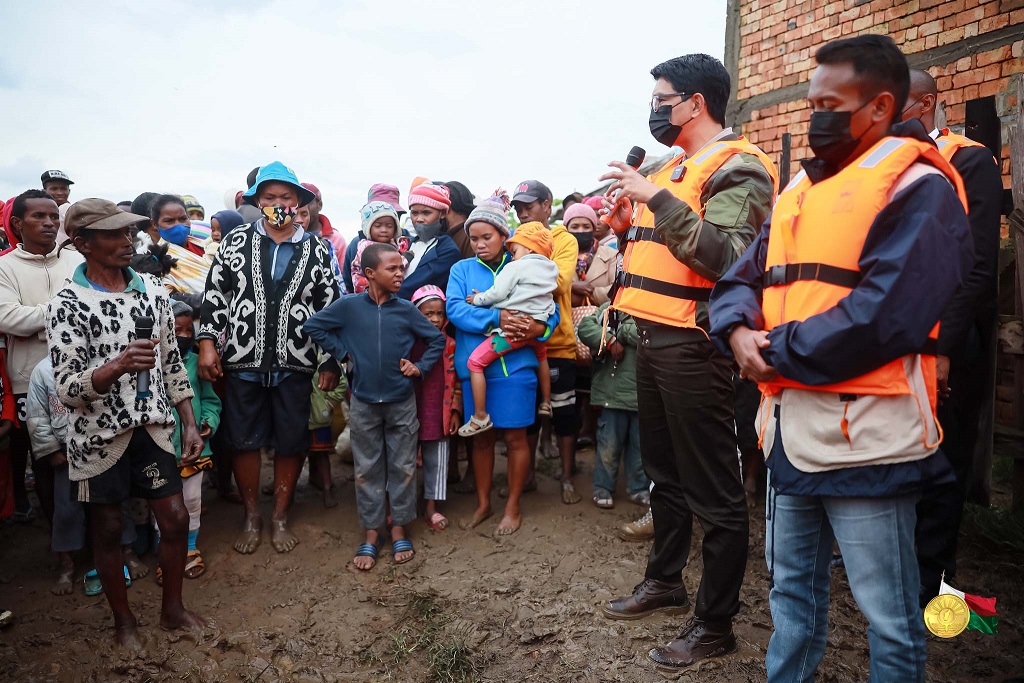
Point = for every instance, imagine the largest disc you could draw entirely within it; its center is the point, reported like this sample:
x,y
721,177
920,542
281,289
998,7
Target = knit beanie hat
x,y
434,196
535,237
181,308
374,210
594,203
493,210
427,293
580,210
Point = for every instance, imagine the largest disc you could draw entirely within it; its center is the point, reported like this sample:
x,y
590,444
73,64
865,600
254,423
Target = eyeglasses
x,y
658,101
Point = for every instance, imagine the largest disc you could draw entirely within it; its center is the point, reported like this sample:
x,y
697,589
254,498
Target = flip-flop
x,y
195,561
544,410
370,550
436,520
402,545
91,583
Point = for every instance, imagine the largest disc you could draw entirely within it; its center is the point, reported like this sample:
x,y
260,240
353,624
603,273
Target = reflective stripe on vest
x,y
950,143
814,246
654,285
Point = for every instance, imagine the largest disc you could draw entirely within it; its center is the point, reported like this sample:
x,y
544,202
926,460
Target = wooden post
x,y
787,146
1016,135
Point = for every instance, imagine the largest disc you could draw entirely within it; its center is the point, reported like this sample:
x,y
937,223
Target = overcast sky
x,y
187,98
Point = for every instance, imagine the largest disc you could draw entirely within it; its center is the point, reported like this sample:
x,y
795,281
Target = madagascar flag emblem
x,y
951,612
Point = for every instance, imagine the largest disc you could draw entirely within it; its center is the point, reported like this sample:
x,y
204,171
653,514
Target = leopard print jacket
x,y
88,327
255,322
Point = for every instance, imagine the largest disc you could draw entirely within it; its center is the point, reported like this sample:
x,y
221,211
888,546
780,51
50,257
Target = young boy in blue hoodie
x,y
377,330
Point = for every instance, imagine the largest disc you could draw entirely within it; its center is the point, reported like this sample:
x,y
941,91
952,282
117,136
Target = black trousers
x,y
941,508
688,443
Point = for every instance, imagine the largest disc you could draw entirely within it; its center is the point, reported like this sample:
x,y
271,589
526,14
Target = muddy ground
x,y
469,607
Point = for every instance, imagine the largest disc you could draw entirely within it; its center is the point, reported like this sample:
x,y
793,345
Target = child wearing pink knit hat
x,y
438,406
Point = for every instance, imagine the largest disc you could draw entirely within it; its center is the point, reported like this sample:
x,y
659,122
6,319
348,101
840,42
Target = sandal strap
x,y
367,550
402,545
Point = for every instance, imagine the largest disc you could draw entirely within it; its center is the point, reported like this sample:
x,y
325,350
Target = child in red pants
x,y
525,286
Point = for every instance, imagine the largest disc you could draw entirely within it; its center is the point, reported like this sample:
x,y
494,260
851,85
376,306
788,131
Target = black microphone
x,y
635,158
143,330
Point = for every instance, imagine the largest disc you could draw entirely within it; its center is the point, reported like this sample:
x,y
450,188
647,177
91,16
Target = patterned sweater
x,y
86,328
255,322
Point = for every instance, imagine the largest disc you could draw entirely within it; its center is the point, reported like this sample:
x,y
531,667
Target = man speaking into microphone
x,y
117,368
685,225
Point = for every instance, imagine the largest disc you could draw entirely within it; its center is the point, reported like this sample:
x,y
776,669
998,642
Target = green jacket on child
x,y
614,383
206,406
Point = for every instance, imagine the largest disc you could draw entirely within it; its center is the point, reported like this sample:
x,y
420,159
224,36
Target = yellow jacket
x,y
562,343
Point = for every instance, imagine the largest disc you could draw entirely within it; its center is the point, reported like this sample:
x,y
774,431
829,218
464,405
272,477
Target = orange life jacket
x,y
654,285
950,143
814,248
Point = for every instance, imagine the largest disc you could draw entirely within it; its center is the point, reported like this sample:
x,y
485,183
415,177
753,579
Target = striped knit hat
x,y
434,196
493,210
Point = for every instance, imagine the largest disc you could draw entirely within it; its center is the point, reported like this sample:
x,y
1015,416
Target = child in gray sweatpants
x,y
377,331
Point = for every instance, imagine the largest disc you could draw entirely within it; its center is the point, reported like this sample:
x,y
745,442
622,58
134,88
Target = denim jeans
x,y
876,537
618,439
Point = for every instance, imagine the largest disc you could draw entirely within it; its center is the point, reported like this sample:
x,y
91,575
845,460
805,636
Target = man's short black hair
x,y
18,211
878,63
699,73
373,254
127,204
573,197
462,199
163,200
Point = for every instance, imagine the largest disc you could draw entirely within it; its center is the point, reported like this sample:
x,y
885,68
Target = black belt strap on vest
x,y
649,284
638,234
786,273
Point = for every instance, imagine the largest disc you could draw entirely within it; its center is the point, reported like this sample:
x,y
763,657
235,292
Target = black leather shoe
x,y
698,641
649,597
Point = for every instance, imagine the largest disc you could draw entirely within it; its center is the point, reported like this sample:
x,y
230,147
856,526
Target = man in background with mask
x,y
433,251
267,359
964,365
833,311
695,218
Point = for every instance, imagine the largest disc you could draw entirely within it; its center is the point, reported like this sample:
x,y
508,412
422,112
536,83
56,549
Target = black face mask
x,y
428,231
585,240
662,128
185,345
830,138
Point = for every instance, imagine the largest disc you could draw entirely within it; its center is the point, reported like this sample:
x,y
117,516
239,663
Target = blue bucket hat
x,y
277,172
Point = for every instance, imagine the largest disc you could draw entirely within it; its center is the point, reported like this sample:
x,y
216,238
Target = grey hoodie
x,y
525,285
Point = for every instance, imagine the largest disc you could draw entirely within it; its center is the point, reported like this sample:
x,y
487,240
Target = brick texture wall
x,y
778,39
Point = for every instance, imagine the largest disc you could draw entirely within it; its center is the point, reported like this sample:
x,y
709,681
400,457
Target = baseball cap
x,y
55,175
98,214
530,191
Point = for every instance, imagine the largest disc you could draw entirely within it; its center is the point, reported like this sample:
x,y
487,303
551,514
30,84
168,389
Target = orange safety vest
x,y
654,285
950,143
814,248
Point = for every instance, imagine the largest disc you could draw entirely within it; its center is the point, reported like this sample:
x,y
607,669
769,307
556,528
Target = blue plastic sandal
x,y
402,545
93,586
368,550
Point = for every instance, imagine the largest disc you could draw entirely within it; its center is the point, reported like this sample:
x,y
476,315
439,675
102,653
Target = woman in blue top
x,y
512,382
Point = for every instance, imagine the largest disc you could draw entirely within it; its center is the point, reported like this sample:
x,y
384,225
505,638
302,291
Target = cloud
x,y
188,96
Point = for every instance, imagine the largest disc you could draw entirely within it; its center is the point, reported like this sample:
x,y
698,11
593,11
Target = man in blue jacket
x,y
377,330
874,229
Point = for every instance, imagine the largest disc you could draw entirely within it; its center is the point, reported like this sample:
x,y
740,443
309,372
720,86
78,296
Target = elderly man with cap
x,y
119,444
264,283
30,275
433,251
532,202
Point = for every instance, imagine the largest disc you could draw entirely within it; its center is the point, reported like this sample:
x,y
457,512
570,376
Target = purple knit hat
x,y
494,211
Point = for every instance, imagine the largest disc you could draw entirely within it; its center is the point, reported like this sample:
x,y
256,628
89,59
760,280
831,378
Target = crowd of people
x,y
145,346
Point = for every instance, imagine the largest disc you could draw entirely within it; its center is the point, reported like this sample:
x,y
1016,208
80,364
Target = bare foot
x,y
330,498
63,585
127,636
508,525
137,569
282,539
182,618
251,535
480,515
569,495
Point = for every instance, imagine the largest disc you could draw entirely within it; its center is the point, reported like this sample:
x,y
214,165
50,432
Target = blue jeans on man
x,y
876,537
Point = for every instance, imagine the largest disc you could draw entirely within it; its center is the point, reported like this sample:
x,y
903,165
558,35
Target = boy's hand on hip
x,y
408,368
328,380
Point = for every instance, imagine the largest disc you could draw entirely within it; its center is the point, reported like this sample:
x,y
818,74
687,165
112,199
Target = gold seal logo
x,y
947,615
